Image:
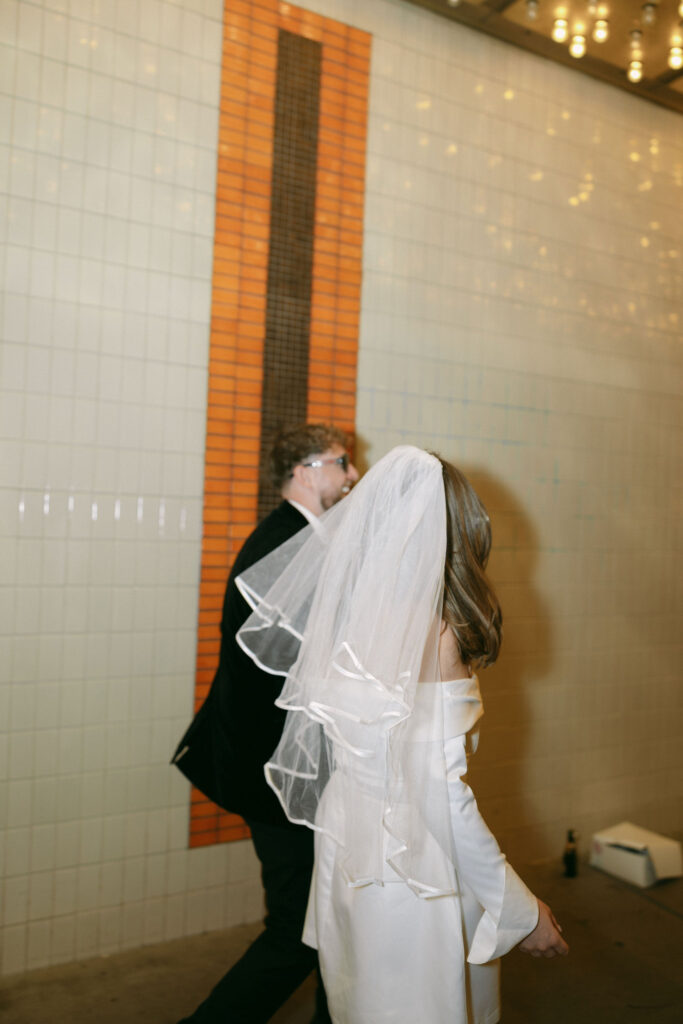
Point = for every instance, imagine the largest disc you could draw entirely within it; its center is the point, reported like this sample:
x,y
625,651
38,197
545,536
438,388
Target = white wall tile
x,y
16,899
62,939
17,851
14,949
66,892
38,944
41,895
174,924
87,933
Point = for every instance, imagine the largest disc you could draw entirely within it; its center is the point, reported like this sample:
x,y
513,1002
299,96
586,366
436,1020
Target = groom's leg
x,y
277,962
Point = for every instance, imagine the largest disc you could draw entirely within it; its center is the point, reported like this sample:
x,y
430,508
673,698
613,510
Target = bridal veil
x,y
349,612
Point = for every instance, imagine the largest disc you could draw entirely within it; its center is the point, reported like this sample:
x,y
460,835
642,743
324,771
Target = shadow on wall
x,y
360,448
509,756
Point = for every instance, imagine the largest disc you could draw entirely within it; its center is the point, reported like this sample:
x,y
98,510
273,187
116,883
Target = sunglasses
x,y
341,460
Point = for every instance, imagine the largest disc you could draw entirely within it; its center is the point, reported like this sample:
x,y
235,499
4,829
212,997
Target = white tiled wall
x,y
520,313
523,274
108,115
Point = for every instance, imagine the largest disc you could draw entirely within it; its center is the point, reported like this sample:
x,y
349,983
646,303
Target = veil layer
x,y
349,613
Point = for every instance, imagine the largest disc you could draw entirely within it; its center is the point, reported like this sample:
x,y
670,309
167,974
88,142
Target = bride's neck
x,y
451,665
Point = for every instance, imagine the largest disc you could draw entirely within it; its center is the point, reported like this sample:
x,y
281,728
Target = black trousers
x,y
277,962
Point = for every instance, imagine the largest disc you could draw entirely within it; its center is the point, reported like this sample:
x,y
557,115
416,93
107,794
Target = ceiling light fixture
x,y
560,31
676,57
532,9
601,30
636,47
577,47
635,71
649,14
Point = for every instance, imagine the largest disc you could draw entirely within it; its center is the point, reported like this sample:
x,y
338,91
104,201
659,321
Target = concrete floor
x,y
625,966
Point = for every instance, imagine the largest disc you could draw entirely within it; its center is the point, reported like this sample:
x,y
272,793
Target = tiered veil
x,y
349,612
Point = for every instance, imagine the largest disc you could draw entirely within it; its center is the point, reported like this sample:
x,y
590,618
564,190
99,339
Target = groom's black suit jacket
x,y
238,726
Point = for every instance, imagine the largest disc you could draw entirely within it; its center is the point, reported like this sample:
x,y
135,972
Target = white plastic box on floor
x,y
636,854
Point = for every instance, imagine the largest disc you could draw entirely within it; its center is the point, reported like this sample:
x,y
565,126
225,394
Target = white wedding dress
x,y
412,901
388,955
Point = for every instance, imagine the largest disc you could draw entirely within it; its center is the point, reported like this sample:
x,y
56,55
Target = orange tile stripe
x,y
250,33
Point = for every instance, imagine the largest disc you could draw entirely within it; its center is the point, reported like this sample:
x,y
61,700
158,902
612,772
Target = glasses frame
x,y
342,460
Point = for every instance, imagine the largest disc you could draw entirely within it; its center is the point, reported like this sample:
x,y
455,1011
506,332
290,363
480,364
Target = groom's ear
x,y
302,475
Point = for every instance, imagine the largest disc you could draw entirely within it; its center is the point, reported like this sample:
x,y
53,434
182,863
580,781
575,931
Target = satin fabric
x,y
389,955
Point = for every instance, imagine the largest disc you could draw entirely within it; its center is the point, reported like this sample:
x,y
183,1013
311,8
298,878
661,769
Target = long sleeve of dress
x,y
510,910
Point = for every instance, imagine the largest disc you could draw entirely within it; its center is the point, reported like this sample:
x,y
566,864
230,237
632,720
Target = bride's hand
x,y
545,939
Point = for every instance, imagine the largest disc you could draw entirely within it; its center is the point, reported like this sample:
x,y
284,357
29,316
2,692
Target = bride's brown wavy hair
x,y
470,605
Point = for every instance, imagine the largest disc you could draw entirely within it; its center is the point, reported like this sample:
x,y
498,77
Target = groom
x,y
238,727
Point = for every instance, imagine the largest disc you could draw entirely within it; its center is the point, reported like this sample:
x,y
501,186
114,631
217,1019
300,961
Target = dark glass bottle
x,y
569,858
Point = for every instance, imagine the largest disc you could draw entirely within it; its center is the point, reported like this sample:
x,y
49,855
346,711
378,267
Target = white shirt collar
x,y
307,514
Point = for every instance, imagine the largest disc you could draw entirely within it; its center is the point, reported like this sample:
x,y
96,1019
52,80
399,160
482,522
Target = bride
x,y
377,621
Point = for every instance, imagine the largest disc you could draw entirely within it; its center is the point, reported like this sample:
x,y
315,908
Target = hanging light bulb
x,y
676,57
560,32
532,9
577,47
680,9
649,13
636,48
601,30
635,71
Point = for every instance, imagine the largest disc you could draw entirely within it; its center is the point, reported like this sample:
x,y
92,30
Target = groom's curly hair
x,y
299,443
